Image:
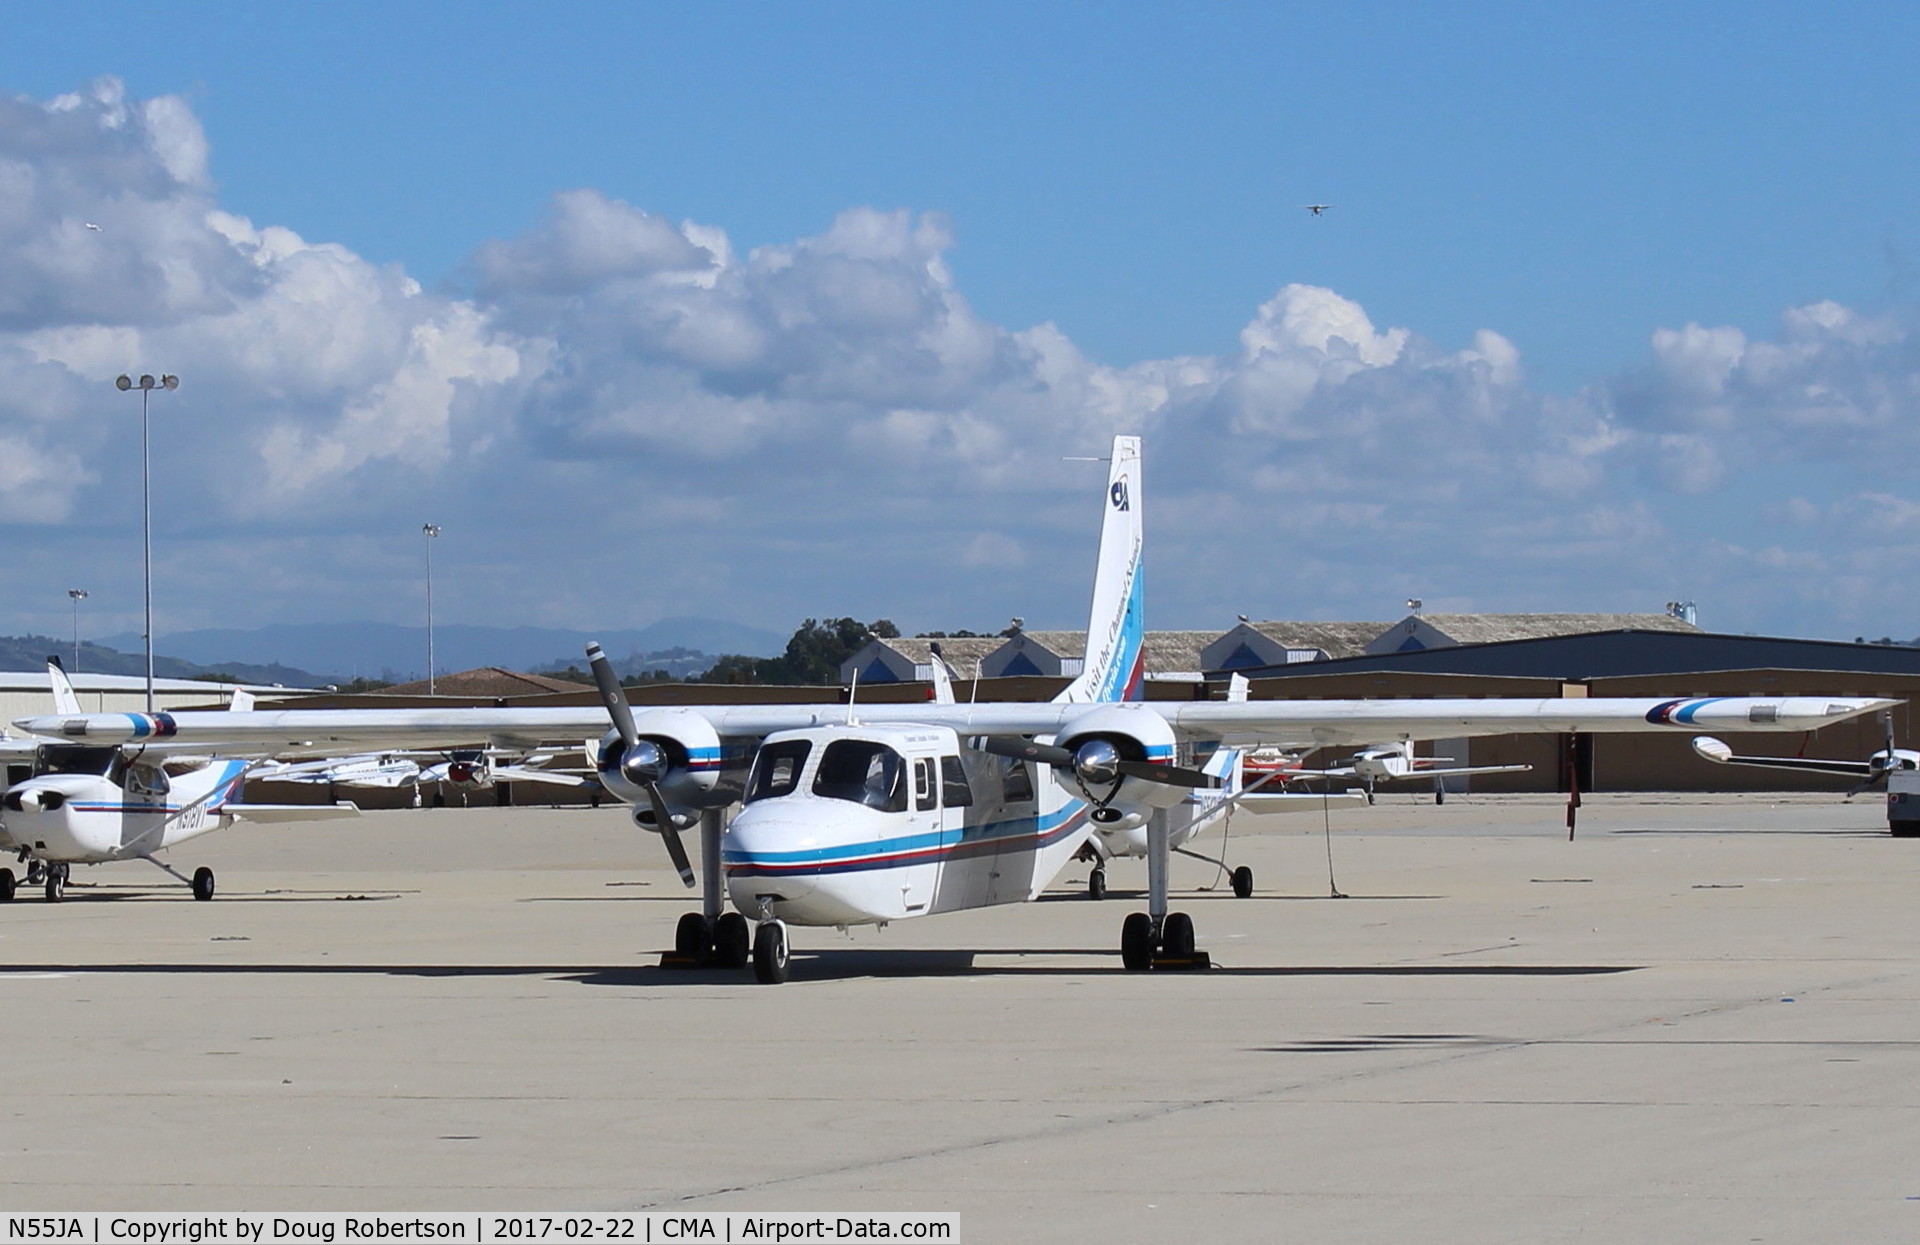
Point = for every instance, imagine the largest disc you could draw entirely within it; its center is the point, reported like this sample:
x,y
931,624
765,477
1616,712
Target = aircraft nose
x,y
768,856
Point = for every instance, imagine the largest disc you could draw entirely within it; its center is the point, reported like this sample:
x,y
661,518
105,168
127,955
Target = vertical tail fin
x,y
64,700
1115,666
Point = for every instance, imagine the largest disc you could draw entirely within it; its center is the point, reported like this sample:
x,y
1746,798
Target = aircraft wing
x,y
552,777
1716,751
1294,723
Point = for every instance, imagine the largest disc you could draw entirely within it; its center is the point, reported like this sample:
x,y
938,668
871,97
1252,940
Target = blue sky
x,y
1574,183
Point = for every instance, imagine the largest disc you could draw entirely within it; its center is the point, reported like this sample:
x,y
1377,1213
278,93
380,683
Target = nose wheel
x,y
56,884
770,953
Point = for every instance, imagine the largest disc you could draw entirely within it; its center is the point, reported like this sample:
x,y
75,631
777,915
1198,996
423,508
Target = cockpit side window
x,y
864,772
776,769
955,792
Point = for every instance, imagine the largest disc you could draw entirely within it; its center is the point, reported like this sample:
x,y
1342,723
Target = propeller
x,y
1096,762
642,762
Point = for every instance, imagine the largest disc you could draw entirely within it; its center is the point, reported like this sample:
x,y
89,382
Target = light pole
x,y
146,386
429,531
78,595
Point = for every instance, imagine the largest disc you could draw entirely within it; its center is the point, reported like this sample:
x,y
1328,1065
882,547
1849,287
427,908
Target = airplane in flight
x,y
1316,208
858,814
90,804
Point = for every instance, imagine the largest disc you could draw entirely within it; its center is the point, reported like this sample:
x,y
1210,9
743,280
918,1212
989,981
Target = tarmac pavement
x,y
1696,1021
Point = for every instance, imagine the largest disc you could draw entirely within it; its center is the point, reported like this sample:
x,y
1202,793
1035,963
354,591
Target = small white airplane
x,y
91,804
1378,763
370,771
1872,772
469,770
869,814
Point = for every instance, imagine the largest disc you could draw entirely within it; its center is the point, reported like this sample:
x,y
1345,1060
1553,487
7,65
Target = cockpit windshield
x,y
776,769
864,772
76,759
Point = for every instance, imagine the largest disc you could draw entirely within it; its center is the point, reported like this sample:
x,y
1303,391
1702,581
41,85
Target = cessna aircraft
x,y
1872,772
868,814
89,804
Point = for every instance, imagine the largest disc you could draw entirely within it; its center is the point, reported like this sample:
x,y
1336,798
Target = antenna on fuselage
x,y
852,687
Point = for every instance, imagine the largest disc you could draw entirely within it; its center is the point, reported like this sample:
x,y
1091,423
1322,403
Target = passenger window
x,y
954,791
923,784
1018,783
776,769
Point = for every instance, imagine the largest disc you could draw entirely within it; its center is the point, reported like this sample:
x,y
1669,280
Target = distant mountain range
x,y
31,653
339,652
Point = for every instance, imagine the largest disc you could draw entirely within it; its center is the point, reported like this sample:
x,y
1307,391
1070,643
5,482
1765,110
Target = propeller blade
x,y
1170,775
678,851
1027,750
663,822
612,695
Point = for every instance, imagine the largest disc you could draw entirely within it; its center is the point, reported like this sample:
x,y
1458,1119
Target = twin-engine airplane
x,y
94,803
880,813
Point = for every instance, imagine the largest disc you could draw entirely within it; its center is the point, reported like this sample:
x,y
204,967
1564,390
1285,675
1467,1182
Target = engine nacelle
x,y
677,753
470,771
1102,738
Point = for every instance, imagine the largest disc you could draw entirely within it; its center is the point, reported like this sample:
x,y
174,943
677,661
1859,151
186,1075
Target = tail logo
x,y
1119,494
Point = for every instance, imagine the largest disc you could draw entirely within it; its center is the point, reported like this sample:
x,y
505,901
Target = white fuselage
x,y
864,825
117,813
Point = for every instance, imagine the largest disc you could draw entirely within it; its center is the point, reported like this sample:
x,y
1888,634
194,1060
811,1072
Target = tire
x,y
690,938
732,941
770,953
56,886
36,872
1904,829
7,885
203,884
1243,882
1097,884
1176,936
1136,942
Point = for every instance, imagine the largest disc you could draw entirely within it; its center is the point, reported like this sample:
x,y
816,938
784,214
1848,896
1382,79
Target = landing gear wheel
x,y
7,885
1242,882
56,885
36,872
732,940
690,937
1136,942
1904,829
770,953
1176,937
203,884
1097,884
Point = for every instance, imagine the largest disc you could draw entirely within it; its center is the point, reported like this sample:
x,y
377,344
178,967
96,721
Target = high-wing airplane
x,y
868,814
480,769
90,804
1872,772
1316,208
1377,763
